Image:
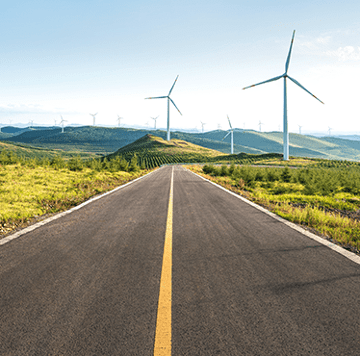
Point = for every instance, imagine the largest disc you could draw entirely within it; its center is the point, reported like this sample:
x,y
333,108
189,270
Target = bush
x,y
224,170
57,162
133,167
75,164
286,175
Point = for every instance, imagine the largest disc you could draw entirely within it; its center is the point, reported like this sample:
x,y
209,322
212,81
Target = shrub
x,y
224,170
75,164
286,175
133,167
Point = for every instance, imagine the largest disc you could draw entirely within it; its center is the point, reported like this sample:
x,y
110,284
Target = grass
x,y
332,214
30,192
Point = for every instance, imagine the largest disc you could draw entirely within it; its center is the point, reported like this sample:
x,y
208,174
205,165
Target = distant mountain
x,y
106,140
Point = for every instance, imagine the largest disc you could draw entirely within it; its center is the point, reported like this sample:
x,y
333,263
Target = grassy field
x,y
323,199
28,192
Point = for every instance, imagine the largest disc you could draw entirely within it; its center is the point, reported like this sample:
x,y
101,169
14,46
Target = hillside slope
x,y
154,151
106,140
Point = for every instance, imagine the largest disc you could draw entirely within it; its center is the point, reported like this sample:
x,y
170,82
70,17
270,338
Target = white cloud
x,y
347,53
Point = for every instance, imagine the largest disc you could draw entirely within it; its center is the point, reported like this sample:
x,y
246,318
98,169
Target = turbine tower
x,y
300,129
93,116
155,118
260,123
119,120
230,132
168,107
202,126
285,75
329,130
62,124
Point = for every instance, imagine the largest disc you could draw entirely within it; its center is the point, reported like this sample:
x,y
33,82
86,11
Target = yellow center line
x,y
163,323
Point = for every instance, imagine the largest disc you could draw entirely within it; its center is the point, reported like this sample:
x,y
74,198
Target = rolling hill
x,y
103,140
154,151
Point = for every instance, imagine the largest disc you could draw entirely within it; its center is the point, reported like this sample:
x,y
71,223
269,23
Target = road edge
x,y
24,231
348,254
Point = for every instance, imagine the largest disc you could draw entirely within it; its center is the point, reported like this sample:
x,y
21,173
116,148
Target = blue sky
x,y
72,58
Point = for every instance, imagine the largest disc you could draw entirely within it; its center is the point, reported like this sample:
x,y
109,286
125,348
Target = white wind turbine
x,y
168,107
93,116
119,120
202,126
62,124
155,118
285,75
260,123
230,132
300,129
329,130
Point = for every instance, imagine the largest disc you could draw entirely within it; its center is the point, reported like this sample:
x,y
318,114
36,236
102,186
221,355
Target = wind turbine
x,y
62,123
155,118
260,123
119,120
31,123
300,129
168,107
285,75
329,130
231,131
202,126
93,116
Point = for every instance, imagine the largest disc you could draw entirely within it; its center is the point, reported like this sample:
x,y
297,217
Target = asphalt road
x,y
243,283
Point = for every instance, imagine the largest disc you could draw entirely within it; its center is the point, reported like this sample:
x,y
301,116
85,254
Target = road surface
x,y
240,281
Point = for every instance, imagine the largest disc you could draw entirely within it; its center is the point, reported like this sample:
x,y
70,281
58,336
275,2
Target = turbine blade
x,y
226,135
175,106
289,55
157,97
266,81
297,83
229,122
173,85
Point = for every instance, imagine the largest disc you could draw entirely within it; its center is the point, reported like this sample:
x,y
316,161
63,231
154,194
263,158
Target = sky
x,y
71,58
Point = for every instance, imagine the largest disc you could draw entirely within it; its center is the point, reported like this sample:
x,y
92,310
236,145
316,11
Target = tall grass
x,y
324,198
35,187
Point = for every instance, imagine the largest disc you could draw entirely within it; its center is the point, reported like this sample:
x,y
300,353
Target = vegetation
x,y
105,140
324,196
32,187
154,151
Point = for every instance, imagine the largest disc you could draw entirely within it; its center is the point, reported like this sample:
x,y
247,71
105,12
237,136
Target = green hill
x,y
154,151
103,140
28,152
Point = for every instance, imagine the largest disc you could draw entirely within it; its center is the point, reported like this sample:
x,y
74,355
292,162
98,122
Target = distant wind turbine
x,y
202,126
155,118
230,132
31,123
119,120
260,123
329,130
285,75
300,129
93,116
168,107
62,124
